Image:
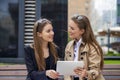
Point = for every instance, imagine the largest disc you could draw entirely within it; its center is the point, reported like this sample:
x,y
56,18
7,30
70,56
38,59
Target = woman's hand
x,y
52,74
80,72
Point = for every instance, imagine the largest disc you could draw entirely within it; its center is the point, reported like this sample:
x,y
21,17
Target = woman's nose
x,y
69,30
52,32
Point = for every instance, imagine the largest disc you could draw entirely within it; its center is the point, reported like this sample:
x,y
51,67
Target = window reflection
x,y
8,28
56,10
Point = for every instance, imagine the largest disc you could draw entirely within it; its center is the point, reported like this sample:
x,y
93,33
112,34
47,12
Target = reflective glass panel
x,y
8,28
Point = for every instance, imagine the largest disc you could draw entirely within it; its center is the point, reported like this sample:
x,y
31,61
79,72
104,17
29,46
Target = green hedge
x,y
111,61
111,53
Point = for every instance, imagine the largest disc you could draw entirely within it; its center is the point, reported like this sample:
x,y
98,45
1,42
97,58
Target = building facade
x,y
118,12
17,18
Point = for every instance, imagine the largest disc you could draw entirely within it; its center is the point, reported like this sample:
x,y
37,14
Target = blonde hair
x,y
37,45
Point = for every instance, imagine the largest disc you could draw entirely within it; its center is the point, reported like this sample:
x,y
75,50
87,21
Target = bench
x,y
13,72
111,72
19,72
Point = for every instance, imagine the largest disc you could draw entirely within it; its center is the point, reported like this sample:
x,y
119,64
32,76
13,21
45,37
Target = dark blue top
x,y
31,64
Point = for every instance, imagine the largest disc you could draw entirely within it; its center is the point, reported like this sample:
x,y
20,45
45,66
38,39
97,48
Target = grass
x,y
105,62
111,61
7,64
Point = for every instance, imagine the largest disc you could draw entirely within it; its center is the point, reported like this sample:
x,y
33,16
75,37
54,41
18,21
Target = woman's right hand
x,y
80,72
52,74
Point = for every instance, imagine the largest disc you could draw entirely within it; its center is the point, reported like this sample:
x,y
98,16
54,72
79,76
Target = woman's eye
x,y
48,31
72,28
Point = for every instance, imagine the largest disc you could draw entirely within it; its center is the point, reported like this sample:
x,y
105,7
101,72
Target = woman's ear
x,y
82,31
39,34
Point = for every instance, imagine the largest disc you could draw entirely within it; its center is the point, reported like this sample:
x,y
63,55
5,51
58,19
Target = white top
x,y
76,49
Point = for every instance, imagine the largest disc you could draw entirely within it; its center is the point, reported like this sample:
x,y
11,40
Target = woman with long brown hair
x,y
41,56
84,47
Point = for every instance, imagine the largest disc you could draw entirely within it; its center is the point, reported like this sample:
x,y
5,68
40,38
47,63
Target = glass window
x,y
118,9
57,12
8,28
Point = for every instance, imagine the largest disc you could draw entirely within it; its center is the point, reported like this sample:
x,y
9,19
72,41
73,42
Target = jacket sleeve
x,y
94,60
65,58
67,50
31,65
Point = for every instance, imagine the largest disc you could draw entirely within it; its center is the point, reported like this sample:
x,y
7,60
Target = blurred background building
x,y
82,7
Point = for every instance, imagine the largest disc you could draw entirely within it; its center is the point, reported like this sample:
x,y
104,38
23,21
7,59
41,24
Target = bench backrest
x,y
111,72
13,72
19,72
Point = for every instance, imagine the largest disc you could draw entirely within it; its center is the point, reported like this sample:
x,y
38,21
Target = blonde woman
x,y
84,47
41,56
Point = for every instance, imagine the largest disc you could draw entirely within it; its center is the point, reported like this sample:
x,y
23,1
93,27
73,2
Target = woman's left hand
x,y
80,72
52,74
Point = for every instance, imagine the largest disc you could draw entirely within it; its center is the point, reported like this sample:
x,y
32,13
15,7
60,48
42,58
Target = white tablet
x,y
67,67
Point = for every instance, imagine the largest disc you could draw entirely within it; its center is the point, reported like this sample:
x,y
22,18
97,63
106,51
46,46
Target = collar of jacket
x,y
70,49
82,43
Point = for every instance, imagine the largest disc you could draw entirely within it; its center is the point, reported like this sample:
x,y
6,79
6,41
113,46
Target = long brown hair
x,y
88,36
37,45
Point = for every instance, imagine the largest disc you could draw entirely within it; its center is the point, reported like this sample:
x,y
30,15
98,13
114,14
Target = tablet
x,y
67,67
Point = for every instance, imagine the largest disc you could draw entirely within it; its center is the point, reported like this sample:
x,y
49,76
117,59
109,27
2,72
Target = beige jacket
x,y
89,56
